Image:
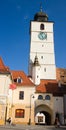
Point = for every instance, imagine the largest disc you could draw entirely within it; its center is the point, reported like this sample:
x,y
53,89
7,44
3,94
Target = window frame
x,y
19,113
42,26
19,80
47,97
21,95
40,97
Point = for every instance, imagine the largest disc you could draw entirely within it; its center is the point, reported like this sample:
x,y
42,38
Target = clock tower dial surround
x,y
42,35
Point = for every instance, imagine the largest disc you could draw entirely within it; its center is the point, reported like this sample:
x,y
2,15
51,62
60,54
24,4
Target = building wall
x,y
4,84
44,101
36,74
44,49
58,107
65,105
44,59
5,81
27,104
36,26
44,106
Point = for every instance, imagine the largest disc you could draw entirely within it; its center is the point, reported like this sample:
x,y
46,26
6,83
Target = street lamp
x,y
31,96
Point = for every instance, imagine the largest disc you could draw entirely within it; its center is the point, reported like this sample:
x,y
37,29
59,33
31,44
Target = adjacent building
x,y
5,80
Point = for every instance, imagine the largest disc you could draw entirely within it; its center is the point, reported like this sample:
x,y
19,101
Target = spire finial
x,y
41,6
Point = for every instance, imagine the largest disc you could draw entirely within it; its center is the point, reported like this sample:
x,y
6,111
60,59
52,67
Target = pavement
x,y
31,127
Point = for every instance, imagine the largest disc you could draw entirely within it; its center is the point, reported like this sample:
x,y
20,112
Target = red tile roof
x,y
3,68
25,80
44,85
50,86
15,74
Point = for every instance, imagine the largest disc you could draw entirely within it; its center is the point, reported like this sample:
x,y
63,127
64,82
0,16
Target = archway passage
x,y
46,111
47,117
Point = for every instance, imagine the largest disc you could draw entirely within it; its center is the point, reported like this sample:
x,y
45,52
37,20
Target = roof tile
x,y
50,86
25,80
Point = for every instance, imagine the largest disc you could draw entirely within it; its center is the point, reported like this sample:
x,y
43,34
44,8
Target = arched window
x,y
47,97
42,27
19,113
40,97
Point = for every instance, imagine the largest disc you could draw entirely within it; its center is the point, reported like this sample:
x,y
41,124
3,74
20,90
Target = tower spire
x,y
36,62
41,16
41,7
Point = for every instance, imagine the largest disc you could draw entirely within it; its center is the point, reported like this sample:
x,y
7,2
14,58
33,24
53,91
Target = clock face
x,y
42,35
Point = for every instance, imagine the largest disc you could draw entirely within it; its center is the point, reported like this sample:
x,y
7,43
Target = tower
x,y
42,43
36,71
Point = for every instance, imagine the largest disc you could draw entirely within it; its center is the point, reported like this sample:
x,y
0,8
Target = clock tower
x,y
42,44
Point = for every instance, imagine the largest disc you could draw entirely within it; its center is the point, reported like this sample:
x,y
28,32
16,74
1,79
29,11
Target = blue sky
x,y
15,16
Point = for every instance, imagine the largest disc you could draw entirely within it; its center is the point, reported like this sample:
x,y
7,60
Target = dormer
x,y
18,80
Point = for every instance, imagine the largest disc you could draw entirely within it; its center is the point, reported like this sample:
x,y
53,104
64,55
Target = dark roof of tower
x,y
41,16
36,62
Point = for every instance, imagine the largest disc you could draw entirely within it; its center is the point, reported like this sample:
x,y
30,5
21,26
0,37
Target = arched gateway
x,y
43,115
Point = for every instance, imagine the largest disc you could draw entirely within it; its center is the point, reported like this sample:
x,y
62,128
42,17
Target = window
x,y
44,69
19,113
40,97
37,76
47,97
19,80
21,95
42,45
41,57
15,80
40,119
42,27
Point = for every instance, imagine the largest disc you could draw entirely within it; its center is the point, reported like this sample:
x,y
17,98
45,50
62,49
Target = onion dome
x,y
41,16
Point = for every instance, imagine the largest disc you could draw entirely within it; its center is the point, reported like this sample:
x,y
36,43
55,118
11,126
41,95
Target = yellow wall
x,y
23,104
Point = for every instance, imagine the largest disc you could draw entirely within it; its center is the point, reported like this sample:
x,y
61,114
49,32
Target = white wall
x,y
4,84
27,92
50,72
36,26
44,59
42,47
36,75
35,38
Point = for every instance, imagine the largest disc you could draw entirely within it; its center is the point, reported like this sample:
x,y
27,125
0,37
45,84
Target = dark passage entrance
x,y
47,117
